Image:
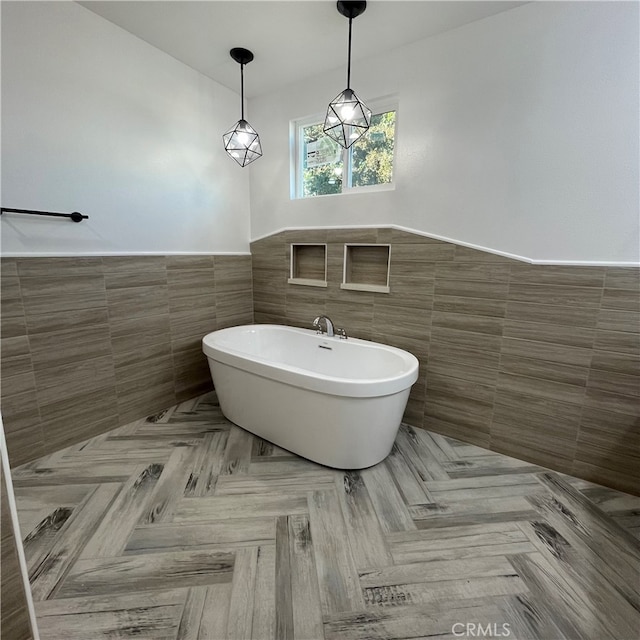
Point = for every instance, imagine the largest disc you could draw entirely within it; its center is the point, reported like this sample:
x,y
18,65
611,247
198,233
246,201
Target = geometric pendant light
x,y
347,116
242,142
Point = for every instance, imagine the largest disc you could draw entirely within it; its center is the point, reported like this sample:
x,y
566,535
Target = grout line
x,y
590,368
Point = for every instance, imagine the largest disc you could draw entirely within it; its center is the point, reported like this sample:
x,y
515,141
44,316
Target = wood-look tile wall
x,y
14,622
538,362
89,344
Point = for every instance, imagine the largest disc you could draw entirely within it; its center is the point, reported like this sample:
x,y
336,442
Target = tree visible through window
x,y
326,168
322,174
372,154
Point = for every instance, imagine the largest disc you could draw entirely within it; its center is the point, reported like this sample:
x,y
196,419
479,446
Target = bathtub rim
x,y
307,379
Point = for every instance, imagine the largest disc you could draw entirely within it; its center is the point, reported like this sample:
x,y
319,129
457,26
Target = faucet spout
x,y
317,324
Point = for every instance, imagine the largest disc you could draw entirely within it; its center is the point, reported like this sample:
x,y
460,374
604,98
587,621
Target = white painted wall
x,y
517,133
98,121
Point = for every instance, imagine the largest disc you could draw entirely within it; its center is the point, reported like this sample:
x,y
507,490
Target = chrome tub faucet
x,y
329,330
317,325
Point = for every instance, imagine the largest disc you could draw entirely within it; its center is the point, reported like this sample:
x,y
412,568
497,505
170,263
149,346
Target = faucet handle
x,y
341,332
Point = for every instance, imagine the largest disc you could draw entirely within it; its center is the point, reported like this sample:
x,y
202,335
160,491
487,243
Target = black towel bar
x,y
76,216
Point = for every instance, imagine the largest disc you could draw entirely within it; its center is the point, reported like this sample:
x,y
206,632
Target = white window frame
x,y
296,146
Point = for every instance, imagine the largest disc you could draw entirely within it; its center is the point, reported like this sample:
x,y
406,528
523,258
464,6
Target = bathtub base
x,y
336,431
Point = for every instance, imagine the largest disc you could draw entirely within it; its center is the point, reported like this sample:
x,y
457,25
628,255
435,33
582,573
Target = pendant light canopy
x,y
347,116
242,142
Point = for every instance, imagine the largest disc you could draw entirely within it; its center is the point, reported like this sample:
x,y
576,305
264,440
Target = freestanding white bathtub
x,y
334,401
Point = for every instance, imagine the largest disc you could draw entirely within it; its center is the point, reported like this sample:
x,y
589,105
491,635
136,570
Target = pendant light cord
x,y
242,90
349,57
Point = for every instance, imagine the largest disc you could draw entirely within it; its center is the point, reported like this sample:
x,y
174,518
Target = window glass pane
x,y
322,163
372,154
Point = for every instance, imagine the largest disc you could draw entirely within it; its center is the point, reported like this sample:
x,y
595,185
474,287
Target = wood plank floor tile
x,y
41,537
52,497
528,620
88,473
488,465
567,609
189,627
445,445
264,601
337,575
428,453
183,526
608,500
183,537
364,532
477,482
55,561
289,464
287,483
30,519
305,594
505,490
442,592
284,604
91,603
205,465
404,623
237,456
468,512
126,510
387,501
436,571
240,616
607,558
157,622
244,506
169,487
213,624
133,573
597,530
619,614
454,543
406,442
411,487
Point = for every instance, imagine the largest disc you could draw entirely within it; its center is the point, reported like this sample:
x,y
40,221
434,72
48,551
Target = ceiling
x,y
290,40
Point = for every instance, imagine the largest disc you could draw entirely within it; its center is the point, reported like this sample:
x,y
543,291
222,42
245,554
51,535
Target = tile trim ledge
x,y
100,254
505,254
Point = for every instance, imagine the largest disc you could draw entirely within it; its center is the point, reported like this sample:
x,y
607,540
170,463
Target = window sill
x,y
389,186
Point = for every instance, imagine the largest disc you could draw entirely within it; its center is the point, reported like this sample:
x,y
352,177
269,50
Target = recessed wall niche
x,y
308,265
366,267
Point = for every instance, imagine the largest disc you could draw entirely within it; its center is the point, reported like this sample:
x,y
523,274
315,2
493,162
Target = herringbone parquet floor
x,y
185,526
